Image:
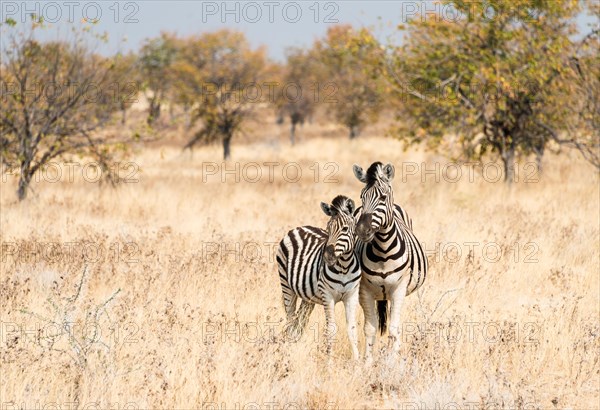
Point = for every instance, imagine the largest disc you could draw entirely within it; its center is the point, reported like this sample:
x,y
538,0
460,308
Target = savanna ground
x,y
507,318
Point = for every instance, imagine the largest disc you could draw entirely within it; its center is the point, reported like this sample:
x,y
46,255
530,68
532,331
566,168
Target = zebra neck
x,y
344,263
388,236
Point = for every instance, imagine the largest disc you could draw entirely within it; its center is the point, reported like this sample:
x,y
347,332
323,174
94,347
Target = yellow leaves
x,y
420,133
506,68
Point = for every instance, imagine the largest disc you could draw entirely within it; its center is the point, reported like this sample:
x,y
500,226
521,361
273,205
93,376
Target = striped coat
x,y
393,262
321,267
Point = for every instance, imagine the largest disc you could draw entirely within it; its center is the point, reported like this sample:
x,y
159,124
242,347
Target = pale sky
x,y
275,24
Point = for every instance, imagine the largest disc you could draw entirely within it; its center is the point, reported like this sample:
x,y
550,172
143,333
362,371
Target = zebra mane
x,y
342,203
374,173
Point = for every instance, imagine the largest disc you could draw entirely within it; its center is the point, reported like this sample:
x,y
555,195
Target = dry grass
x,y
197,320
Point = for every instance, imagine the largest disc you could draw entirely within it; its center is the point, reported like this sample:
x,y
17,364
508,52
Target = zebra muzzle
x,y
364,228
329,255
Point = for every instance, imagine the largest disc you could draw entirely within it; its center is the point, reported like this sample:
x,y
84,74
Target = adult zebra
x,y
392,260
321,267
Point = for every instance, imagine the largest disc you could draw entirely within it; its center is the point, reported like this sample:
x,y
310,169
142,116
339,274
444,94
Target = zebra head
x,y
340,228
377,199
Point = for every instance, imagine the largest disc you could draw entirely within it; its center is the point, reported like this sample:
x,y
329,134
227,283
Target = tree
x,y
345,54
54,95
157,56
296,96
125,67
495,77
221,73
581,86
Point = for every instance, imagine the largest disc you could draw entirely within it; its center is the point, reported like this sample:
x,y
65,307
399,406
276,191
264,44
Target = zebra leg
x,y
330,328
367,302
350,304
397,299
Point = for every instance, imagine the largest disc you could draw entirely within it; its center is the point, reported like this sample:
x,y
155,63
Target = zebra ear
x,y
327,209
360,174
350,206
389,172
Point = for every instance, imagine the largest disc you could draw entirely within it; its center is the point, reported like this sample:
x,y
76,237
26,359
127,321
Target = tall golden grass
x,y
197,320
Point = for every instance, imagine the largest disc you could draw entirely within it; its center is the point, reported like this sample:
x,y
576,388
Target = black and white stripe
x,y
393,261
320,267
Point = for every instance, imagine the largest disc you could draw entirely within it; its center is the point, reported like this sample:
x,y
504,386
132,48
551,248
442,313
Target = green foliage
x,y
349,59
496,83
156,59
213,73
512,83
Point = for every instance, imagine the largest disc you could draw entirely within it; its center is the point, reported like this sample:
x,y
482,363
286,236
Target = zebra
x,y
320,267
392,260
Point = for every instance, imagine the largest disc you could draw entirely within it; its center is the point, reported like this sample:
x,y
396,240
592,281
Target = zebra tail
x,y
295,328
303,315
382,313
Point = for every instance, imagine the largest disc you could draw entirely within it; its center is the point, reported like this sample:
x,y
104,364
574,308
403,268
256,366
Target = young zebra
x,y
320,267
392,260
